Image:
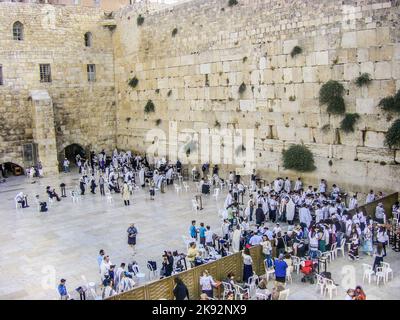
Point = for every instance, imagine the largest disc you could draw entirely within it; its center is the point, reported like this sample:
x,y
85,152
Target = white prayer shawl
x,y
169,174
352,203
236,241
287,185
305,216
298,185
228,200
290,208
277,186
141,176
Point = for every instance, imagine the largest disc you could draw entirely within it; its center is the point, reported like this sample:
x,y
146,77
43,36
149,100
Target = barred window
x,y
18,31
1,75
45,73
91,72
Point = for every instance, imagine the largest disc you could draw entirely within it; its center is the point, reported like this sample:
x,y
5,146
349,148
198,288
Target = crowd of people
x,y
316,219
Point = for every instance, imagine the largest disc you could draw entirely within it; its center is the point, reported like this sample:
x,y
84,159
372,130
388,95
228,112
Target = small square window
x,y
45,73
91,72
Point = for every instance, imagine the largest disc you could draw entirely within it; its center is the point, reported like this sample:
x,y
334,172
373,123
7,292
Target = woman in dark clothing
x,y
132,233
181,292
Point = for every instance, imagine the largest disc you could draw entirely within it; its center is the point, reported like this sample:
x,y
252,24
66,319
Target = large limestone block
x,y
383,70
349,40
374,139
310,74
351,71
365,106
366,38
321,58
288,45
205,68
286,133
375,154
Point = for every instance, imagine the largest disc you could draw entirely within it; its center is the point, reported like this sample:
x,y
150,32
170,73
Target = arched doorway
x,y
11,169
71,151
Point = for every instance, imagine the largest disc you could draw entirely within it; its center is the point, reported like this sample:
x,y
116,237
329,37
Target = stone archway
x,y
72,150
11,168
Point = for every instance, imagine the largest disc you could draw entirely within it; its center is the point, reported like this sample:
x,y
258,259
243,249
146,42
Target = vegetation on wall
x,y
347,124
140,20
158,122
217,124
363,80
331,94
299,158
295,51
149,107
391,104
242,88
392,137
232,3
133,82
174,32
240,149
169,93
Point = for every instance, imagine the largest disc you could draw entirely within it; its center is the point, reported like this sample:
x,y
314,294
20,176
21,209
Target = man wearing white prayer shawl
x,y
236,240
290,209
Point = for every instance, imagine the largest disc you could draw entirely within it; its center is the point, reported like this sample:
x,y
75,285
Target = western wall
x,y
193,74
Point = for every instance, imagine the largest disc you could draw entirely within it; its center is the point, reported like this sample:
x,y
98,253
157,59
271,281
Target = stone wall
x,y
84,112
194,76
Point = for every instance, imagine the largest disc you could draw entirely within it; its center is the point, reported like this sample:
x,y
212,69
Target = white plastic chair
x,y
368,272
94,294
289,275
240,292
139,275
17,205
284,295
51,201
341,248
387,270
380,275
330,286
268,272
333,251
186,186
178,188
296,263
321,283
216,193
152,272
227,289
195,205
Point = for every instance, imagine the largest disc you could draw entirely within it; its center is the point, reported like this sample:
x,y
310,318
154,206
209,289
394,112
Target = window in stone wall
x,y
45,73
1,75
91,72
88,39
18,31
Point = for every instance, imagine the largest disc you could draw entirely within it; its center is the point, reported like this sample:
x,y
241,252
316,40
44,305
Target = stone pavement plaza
x,y
37,249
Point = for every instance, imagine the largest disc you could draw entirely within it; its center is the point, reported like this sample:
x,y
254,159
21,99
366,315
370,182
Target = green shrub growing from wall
x,y
140,20
363,80
347,124
331,94
296,50
133,82
242,88
392,137
299,158
232,3
149,107
391,104
174,32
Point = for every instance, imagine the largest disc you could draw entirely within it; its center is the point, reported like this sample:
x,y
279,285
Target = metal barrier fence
x,y
219,269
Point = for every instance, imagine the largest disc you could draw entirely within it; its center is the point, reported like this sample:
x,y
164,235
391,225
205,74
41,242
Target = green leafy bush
x,y
174,32
133,82
158,122
299,158
296,50
140,20
391,104
242,88
149,107
347,124
392,137
363,80
331,94
232,3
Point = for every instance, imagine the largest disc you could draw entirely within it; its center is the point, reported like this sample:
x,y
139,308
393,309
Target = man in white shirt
x,y
287,185
370,197
353,203
255,240
380,216
298,185
305,215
